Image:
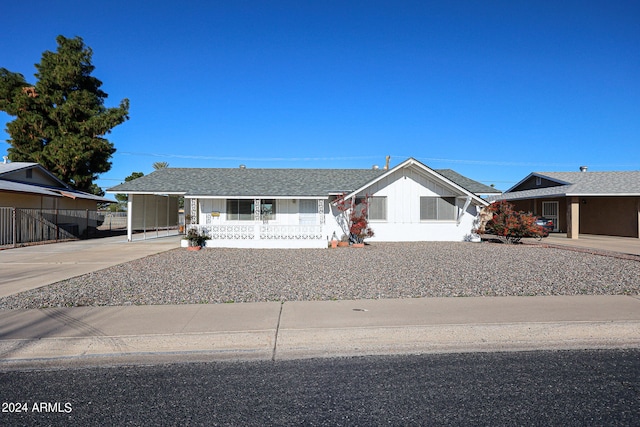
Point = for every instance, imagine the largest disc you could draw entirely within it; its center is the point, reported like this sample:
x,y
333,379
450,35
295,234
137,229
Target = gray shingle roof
x,y
467,183
594,183
231,182
250,182
621,183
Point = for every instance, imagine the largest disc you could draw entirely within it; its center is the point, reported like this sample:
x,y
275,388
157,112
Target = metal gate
x,y
7,226
28,226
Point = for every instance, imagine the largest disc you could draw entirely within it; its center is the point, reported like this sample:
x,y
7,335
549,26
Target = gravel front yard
x,y
380,270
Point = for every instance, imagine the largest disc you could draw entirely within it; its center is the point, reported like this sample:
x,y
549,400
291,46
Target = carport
x,y
597,203
152,214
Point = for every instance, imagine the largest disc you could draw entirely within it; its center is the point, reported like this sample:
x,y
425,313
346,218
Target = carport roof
x,y
619,183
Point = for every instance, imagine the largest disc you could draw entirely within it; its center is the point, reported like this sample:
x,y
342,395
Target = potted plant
x,y
344,241
196,240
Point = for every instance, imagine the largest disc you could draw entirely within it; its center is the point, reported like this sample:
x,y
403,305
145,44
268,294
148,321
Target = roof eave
x,y
173,193
263,196
413,162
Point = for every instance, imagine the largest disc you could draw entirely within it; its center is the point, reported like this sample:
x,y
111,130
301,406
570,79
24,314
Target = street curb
x,y
319,343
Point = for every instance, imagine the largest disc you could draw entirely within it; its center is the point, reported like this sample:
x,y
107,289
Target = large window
x,y
244,209
378,208
438,208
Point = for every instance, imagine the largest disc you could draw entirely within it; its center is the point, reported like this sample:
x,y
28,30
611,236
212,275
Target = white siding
x,y
403,190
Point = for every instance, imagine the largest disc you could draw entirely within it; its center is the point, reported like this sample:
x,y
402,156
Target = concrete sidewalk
x,y
275,331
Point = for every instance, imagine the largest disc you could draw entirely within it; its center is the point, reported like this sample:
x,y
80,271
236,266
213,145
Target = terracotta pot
x,y
343,244
358,245
193,248
334,243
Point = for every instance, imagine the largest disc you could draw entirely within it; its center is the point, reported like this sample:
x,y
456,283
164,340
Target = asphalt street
x,y
550,388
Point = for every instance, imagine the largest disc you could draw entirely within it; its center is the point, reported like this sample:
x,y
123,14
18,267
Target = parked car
x,y
545,223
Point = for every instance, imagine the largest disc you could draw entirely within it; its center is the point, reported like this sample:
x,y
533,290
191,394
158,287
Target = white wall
x,y
403,190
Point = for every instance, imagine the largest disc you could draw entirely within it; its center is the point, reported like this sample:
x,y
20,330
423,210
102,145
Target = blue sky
x,y
493,90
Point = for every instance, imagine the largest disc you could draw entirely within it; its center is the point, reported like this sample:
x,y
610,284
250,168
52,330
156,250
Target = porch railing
x,y
260,232
290,232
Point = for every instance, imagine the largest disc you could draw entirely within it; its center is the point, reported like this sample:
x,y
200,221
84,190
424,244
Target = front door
x,y
550,210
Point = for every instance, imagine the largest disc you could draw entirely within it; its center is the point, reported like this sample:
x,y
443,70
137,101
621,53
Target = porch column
x,y
193,209
573,217
321,210
129,217
257,210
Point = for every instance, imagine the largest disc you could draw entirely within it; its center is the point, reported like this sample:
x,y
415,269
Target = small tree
x,y
508,225
356,214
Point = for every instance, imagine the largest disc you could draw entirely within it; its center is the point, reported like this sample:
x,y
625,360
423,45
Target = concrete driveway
x,y
623,245
31,267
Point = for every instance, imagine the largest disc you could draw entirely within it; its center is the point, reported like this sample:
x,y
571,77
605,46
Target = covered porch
x,y
259,222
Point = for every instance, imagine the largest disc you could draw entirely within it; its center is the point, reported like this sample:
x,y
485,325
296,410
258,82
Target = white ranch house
x,y
294,208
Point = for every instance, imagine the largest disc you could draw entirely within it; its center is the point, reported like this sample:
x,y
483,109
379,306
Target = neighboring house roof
x,y
26,188
567,184
57,188
7,171
246,182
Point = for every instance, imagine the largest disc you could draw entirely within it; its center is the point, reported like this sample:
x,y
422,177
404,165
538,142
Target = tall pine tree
x,y
61,121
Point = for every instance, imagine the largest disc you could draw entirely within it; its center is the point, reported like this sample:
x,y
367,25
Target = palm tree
x,y
160,165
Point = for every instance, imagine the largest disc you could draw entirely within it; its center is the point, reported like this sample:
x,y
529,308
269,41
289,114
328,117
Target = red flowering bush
x,y
358,224
359,228
508,225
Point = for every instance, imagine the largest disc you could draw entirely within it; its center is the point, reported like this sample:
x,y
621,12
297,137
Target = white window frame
x,y
382,200
250,216
439,208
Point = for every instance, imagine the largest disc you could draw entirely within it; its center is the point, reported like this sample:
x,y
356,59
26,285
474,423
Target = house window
x,y
244,209
268,207
29,173
438,208
538,180
378,208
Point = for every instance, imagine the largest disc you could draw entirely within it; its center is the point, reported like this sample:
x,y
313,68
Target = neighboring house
x,y
294,208
605,203
35,205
